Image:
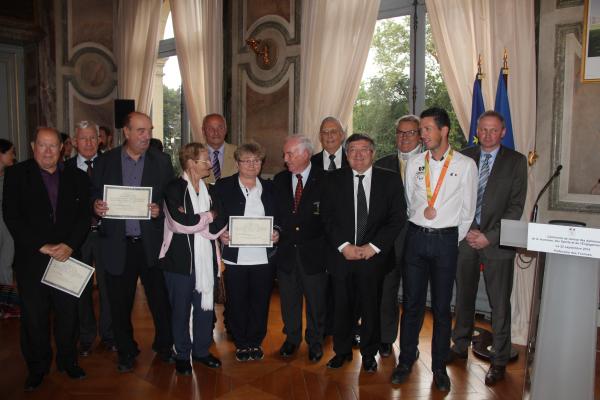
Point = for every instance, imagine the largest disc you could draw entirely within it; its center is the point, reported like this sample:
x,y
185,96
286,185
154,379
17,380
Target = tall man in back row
x,y
129,248
501,195
441,191
214,129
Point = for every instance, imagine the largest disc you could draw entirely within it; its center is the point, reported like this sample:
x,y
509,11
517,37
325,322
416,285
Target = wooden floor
x,y
271,378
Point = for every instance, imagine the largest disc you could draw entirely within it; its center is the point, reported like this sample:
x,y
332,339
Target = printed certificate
x,y
127,202
250,231
70,276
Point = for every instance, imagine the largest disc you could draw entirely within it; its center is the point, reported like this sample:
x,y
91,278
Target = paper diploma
x,y
127,202
70,276
250,231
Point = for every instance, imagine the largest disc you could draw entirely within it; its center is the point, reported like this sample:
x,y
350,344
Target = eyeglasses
x,y
408,133
326,132
251,161
202,161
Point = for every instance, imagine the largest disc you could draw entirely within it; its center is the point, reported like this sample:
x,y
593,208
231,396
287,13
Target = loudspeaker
x,y
122,108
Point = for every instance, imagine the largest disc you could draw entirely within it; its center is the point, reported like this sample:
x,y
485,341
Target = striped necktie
x,y
484,174
215,165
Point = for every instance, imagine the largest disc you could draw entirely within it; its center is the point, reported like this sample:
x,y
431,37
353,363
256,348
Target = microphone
x,y
534,212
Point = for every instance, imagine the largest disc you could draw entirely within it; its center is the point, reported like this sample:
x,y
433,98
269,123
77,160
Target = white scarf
x,y
203,251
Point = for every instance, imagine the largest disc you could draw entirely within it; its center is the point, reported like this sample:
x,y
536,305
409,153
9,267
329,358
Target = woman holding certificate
x,y
188,258
248,200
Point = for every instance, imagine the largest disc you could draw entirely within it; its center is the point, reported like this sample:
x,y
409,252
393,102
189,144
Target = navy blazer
x,y
303,230
230,201
158,171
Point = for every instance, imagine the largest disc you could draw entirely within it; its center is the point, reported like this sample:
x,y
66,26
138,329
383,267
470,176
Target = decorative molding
x,y
568,3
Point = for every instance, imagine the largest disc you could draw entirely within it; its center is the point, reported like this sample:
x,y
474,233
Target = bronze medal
x,y
430,212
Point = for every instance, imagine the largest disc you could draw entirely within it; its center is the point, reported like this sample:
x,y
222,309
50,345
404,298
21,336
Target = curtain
x,y
336,37
136,50
461,30
198,26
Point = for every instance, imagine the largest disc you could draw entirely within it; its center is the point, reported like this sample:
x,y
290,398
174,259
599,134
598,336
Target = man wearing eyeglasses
x,y
331,135
408,144
214,129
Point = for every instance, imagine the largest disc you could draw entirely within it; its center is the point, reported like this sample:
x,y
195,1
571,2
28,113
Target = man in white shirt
x,y
441,189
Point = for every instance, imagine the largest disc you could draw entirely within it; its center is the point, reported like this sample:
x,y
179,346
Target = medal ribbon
x,y
432,197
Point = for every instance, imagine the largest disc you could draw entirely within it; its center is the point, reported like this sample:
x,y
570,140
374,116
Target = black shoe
x,y
33,381
454,355
256,353
385,349
210,361
85,349
287,349
315,352
166,356
494,374
441,380
242,355
183,367
73,371
125,364
369,364
338,360
356,341
400,373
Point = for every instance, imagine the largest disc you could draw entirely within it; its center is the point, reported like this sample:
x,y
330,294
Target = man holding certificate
x,y
46,209
128,185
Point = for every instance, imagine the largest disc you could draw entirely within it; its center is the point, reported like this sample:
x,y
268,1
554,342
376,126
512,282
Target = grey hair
x,y
303,141
87,125
333,119
408,118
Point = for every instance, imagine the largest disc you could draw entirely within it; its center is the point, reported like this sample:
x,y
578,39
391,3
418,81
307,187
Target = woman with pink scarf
x,y
189,259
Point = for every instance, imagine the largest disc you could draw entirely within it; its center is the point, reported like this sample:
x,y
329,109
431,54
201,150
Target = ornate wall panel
x,y
264,91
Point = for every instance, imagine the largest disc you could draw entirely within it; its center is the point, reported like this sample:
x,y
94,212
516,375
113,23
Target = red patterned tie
x,y
298,194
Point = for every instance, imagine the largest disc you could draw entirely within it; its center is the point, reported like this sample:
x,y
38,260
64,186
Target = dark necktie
x,y
298,193
484,174
331,162
361,211
90,167
215,165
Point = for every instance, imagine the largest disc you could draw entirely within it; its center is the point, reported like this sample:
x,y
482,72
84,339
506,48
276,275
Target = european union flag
x,y
477,108
503,108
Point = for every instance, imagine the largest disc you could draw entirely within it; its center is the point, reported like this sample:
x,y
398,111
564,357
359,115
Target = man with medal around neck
x,y
441,192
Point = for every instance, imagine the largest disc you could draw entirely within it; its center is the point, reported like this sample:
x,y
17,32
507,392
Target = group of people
x,y
347,231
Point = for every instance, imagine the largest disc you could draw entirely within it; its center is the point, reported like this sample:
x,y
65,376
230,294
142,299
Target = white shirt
x,y
457,198
337,160
367,186
254,208
81,162
304,174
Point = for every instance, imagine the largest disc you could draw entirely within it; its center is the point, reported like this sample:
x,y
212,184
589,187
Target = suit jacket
x,y
229,166
317,160
229,200
504,196
390,162
158,171
302,231
387,216
29,216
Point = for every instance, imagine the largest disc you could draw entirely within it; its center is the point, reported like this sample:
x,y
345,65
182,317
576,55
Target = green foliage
x,y
384,98
172,123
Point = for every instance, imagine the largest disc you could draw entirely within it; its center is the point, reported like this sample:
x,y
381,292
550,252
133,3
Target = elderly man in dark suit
x,y
46,209
299,258
408,143
332,135
129,248
363,210
501,195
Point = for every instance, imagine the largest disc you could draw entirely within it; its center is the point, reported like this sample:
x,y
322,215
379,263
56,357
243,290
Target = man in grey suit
x,y
408,143
501,195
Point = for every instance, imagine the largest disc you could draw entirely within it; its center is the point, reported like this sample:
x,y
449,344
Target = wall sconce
x,y
261,49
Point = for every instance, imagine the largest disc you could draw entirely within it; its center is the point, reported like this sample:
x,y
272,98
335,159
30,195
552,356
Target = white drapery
x,y
198,28
463,29
136,50
336,37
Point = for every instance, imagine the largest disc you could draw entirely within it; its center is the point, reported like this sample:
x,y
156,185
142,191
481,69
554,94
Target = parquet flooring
x,y
270,378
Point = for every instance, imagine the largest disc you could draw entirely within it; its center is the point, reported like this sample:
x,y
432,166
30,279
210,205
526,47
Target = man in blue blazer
x,y
129,249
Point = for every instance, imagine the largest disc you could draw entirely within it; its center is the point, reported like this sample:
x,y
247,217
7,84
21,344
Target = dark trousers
x,y
390,307
294,286
121,294
183,296
87,317
248,289
359,285
430,257
498,276
38,303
